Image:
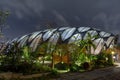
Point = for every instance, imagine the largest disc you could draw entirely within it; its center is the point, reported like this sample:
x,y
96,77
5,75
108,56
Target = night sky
x,y
28,16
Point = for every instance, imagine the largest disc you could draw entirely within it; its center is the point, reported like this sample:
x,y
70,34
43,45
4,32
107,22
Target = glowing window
x,y
54,38
109,40
21,38
48,34
33,36
92,33
75,38
80,29
83,29
67,33
104,34
23,41
35,42
99,45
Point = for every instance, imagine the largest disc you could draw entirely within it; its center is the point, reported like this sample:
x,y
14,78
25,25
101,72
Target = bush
x,y
25,68
61,66
37,68
86,65
110,60
74,67
54,72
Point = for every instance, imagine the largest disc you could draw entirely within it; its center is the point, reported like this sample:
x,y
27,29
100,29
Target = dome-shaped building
x,y
66,35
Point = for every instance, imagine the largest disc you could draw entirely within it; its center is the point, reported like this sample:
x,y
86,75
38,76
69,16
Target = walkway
x,y
110,73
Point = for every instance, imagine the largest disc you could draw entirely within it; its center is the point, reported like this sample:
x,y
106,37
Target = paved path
x,y
110,73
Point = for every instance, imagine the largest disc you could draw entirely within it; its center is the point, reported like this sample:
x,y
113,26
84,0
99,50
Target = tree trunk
x,y
52,61
43,60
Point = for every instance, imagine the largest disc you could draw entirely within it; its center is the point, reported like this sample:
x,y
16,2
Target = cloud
x,y
110,22
23,8
31,15
77,18
61,21
38,27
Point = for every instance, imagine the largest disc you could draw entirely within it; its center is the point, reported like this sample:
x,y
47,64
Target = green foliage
x,y
82,58
61,66
74,67
21,60
86,65
54,72
74,52
3,18
27,54
110,59
12,58
81,54
103,59
90,61
27,62
82,50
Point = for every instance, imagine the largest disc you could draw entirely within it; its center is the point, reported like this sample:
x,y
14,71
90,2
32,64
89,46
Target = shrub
x,y
74,67
86,65
61,66
110,60
54,72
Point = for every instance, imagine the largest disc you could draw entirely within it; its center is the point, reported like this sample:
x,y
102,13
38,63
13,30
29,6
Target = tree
x,y
86,44
80,49
3,18
89,42
61,50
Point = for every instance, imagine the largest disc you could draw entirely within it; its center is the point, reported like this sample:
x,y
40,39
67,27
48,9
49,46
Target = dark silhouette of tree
x,y
3,18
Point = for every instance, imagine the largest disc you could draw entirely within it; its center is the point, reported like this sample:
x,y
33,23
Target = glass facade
x,y
66,35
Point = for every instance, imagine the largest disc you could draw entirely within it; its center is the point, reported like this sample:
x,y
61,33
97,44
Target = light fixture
x,y
112,52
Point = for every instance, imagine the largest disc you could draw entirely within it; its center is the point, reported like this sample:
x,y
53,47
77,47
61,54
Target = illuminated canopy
x,y
66,35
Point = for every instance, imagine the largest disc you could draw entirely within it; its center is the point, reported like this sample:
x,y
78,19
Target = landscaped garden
x,y
51,59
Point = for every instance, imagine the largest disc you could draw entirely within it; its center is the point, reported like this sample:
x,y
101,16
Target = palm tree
x,y
42,51
82,47
89,42
51,50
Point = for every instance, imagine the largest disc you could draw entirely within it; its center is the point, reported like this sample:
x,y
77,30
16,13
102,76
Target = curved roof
x,y
64,34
